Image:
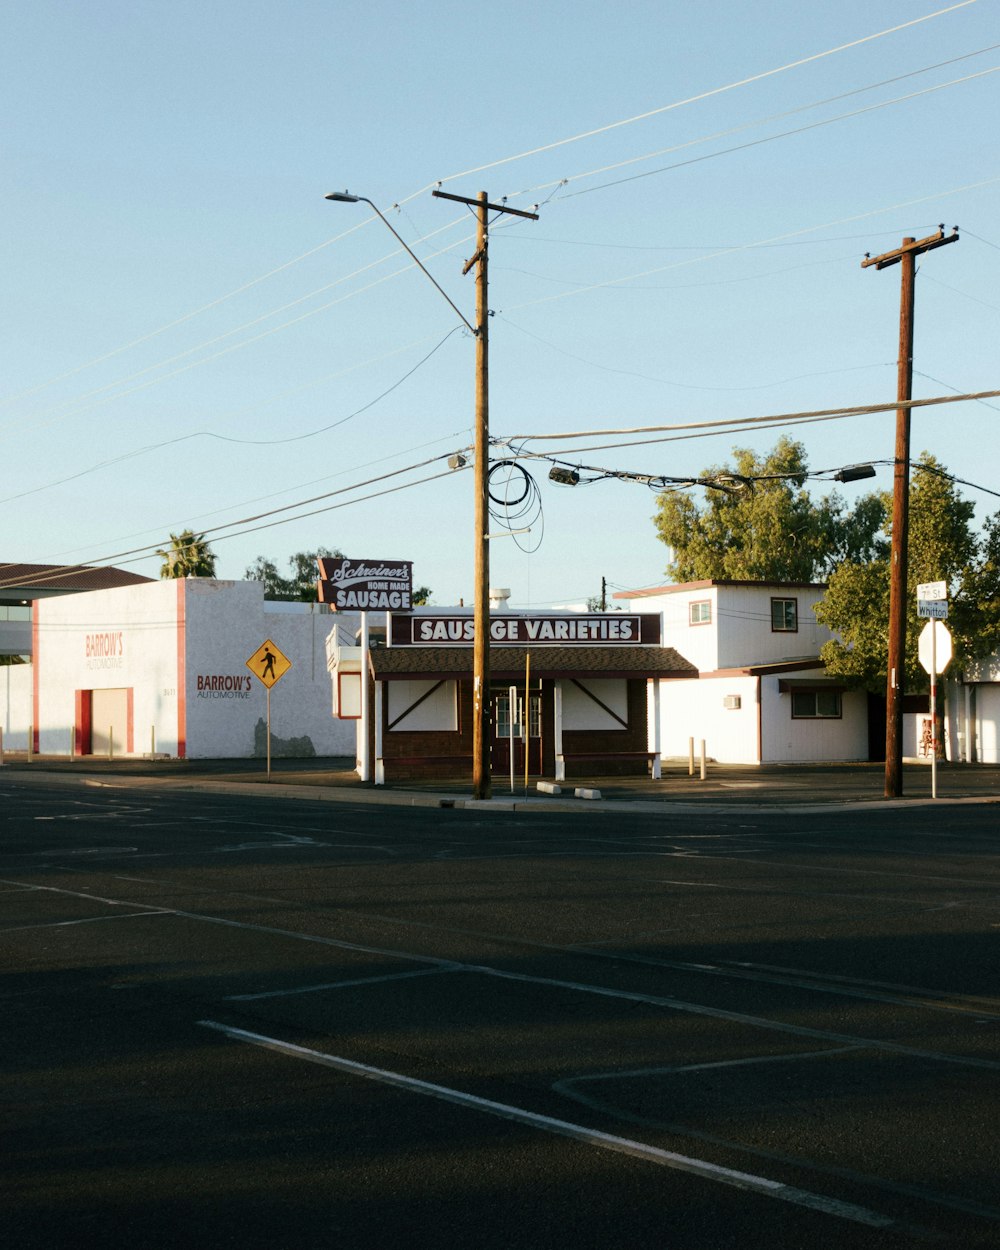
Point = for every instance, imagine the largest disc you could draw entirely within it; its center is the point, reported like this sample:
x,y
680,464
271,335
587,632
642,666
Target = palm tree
x,y
189,555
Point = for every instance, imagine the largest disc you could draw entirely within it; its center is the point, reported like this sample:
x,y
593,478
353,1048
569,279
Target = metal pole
x,y
269,733
933,709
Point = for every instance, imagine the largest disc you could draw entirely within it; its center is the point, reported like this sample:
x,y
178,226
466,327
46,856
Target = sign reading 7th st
x,y
268,664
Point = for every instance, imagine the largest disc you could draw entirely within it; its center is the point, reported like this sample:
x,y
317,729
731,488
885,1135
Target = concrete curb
x,y
540,803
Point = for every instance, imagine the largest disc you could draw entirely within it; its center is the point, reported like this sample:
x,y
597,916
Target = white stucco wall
x,y
785,740
106,640
696,709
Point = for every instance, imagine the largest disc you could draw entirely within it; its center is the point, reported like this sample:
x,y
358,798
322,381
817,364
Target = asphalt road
x,y
234,1020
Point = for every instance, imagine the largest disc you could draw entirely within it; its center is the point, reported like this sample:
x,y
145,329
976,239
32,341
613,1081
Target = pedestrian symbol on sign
x,y
268,664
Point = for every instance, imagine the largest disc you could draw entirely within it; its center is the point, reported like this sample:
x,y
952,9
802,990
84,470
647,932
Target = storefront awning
x,y
508,663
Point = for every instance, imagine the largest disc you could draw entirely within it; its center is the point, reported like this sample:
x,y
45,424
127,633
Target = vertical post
x,y
72,744
152,742
111,742
269,733
657,769
31,740
900,536
1,746
527,717
905,256
366,702
690,757
934,738
481,613
512,696
703,759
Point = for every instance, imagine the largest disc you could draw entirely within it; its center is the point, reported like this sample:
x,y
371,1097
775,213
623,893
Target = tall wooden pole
x,y
896,677
481,773
899,554
481,778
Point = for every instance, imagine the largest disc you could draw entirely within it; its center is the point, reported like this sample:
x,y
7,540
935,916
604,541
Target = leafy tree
x,y
421,596
942,546
301,585
761,524
188,555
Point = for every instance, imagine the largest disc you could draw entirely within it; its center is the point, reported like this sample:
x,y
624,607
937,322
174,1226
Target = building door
x,y
500,728
109,722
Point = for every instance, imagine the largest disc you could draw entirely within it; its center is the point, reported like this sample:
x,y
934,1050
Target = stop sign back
x,y
941,643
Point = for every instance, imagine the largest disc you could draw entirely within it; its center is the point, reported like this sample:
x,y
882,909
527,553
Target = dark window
x,y
816,704
784,615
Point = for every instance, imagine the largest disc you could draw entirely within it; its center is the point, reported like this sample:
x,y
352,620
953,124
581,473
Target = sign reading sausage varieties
x,y
366,585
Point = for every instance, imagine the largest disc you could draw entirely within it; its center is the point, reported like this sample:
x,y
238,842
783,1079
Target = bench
x,y
652,759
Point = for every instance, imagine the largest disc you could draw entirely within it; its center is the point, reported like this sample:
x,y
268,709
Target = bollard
x,y
1,746
31,741
111,742
690,757
72,745
703,759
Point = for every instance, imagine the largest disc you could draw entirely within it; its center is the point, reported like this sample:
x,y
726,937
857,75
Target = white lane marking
x,y
565,1128
739,1017
65,924
673,1004
339,985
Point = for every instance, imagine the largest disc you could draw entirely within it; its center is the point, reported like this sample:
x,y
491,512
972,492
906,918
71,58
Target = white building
x,y
761,695
162,667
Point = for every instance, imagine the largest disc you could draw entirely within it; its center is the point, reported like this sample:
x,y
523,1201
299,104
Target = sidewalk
x,y
726,785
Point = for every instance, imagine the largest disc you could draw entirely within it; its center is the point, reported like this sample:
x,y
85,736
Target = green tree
x,y
301,585
760,523
188,555
421,596
942,546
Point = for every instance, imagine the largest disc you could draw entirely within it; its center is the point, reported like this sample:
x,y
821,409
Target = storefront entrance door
x,y
500,743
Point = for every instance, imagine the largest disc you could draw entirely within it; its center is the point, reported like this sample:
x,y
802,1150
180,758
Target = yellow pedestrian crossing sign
x,y
268,664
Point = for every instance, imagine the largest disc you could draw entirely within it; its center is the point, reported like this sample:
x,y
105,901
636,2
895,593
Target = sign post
x,y
268,665
934,651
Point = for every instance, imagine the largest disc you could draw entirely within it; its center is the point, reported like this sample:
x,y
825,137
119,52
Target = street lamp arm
x,y
344,197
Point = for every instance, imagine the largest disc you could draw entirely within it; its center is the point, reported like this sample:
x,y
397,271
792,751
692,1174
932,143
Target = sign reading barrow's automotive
x,y
364,585
600,629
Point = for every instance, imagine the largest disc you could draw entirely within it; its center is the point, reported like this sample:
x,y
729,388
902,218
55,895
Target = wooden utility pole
x,y
905,256
481,773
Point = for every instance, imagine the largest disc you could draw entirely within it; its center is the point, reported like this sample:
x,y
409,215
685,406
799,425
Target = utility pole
x,y
481,776
905,256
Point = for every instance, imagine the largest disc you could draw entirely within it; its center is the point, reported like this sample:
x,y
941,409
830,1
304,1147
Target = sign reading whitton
x,y
366,585
615,629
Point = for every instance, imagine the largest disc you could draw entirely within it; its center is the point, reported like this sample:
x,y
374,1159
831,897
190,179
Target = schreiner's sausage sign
x,y
366,585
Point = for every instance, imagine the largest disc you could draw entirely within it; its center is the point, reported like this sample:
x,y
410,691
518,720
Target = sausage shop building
x,y
570,693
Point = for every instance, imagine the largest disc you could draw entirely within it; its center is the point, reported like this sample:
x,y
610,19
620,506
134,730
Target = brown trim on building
x,y
508,663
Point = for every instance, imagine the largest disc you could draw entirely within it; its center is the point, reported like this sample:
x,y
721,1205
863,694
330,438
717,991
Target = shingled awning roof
x,y
507,663
22,579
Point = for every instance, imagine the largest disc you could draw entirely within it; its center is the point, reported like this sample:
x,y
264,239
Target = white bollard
x,y
703,759
690,757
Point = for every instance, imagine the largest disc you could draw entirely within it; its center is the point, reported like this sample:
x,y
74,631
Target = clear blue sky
x,y
183,312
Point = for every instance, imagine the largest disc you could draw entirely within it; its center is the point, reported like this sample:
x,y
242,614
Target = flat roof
x,y
674,588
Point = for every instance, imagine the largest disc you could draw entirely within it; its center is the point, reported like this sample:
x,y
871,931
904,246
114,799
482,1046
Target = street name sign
x,y
933,609
932,590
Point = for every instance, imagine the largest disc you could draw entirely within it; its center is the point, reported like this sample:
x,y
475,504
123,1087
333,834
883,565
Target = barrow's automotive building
x,y
162,667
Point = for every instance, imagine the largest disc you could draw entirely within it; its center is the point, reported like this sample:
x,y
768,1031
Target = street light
x,y
480,681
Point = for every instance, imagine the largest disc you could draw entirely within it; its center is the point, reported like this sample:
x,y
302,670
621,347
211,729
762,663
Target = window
x,y
700,612
15,612
784,615
815,704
